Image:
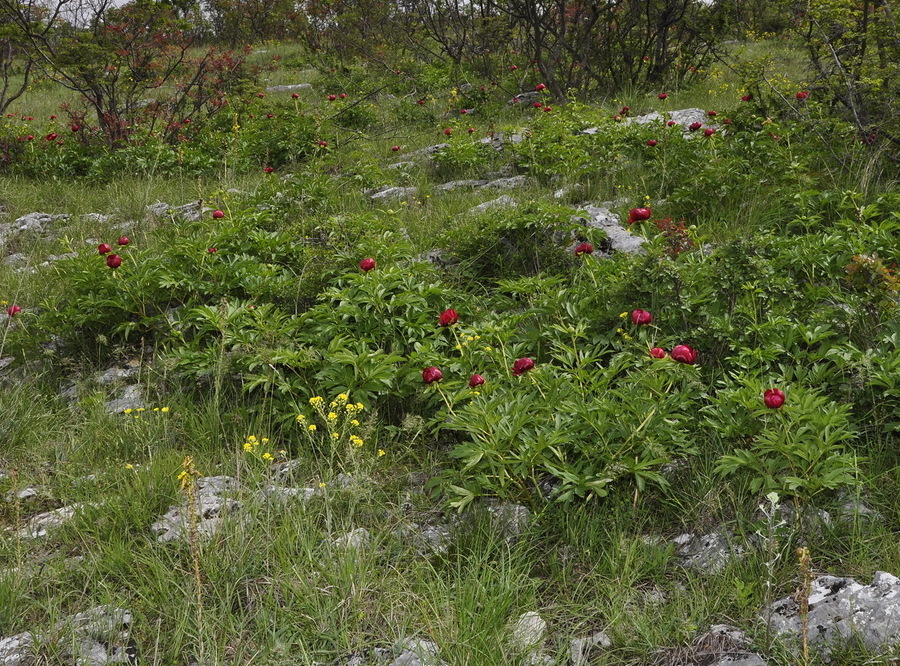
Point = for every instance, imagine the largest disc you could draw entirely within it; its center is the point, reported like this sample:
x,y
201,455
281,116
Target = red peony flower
x,y
802,95
584,248
522,366
658,352
211,250
695,126
269,169
539,87
513,68
13,310
367,264
395,148
671,123
662,95
638,215
432,374
652,142
476,380
641,317
448,131
746,98
684,354
538,105
711,114
104,248
218,214
448,317
114,261
773,398
331,98
709,131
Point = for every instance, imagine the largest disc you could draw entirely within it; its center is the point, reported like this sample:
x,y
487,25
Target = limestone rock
x,y
455,184
527,633
355,539
620,239
504,201
707,552
583,650
394,193
40,525
840,608
211,507
292,87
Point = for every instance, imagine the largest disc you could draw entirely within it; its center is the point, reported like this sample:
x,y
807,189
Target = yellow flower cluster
x,y
136,412
356,441
252,443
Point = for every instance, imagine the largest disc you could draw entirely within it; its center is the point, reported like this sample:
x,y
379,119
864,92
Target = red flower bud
x,y
773,398
476,380
211,250
695,126
671,123
539,87
684,354
218,214
711,114
746,98
123,240
584,248
709,131
114,261
13,310
343,95
448,131
331,98
367,264
269,169
662,95
104,248
395,148
432,374
513,68
538,105
641,317
639,215
522,366
652,142
471,130
802,95
658,352
295,96
448,317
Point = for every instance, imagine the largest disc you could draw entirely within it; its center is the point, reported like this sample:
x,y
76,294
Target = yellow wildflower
x,y
265,440
334,435
343,397
312,427
354,423
301,418
623,315
316,400
267,456
321,484
381,452
129,466
251,438
359,406
248,447
332,416
129,410
164,410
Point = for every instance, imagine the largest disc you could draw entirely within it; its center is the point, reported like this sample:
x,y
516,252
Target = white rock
x,y
527,633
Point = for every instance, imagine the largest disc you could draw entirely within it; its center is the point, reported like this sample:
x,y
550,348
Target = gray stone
x,y
589,131
292,87
620,239
17,650
428,150
722,645
114,375
646,119
394,193
40,525
5,362
416,652
401,165
211,508
841,608
355,539
504,201
23,495
425,538
582,650
285,471
53,258
684,117
707,553
507,183
454,184
527,633
287,494
15,260
98,636
567,190
438,257
132,397
191,212
529,97
853,508
510,520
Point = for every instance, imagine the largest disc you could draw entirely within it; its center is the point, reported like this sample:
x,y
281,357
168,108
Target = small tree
x,y
15,66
